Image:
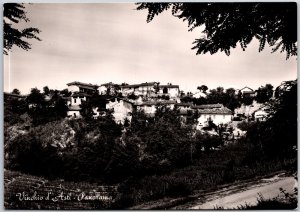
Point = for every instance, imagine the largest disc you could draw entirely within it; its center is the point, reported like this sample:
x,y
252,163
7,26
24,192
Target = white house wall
x,y
77,100
102,90
216,119
73,114
172,92
73,88
121,110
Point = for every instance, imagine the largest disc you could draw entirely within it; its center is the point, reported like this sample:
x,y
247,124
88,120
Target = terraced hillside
x,y
30,192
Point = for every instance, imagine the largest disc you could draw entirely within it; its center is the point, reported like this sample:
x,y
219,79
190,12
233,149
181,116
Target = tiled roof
x,y
74,107
223,110
130,86
156,103
245,88
208,106
139,85
168,86
80,94
83,85
109,83
184,104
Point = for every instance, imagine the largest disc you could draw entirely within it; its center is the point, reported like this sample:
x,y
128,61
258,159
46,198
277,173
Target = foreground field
x,y
245,193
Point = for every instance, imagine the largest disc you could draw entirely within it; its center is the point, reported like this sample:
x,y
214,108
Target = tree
x,y
264,93
36,97
202,88
16,91
15,13
277,136
46,90
227,24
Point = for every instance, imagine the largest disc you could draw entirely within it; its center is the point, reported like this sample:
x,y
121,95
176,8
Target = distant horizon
x,y
107,42
195,91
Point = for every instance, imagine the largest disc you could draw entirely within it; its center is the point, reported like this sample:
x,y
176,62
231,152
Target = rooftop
x,y
84,85
156,103
168,86
80,94
108,84
223,110
246,87
184,104
139,85
208,106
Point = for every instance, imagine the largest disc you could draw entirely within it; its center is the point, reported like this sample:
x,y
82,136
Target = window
x,y
74,100
165,90
75,115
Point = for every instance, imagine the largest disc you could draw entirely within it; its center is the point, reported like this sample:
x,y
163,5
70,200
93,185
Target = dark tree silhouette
x,y
227,24
202,88
16,91
14,13
264,93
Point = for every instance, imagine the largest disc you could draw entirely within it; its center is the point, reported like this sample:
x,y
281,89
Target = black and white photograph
x,y
150,106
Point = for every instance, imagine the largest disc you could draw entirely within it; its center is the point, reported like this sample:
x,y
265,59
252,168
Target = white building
x,y
74,102
150,107
80,92
216,113
169,90
261,114
246,92
82,87
74,111
108,88
143,89
121,109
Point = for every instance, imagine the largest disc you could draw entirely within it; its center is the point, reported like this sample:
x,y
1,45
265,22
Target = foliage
x,y
280,126
14,13
227,24
133,96
246,125
202,88
264,93
287,202
16,91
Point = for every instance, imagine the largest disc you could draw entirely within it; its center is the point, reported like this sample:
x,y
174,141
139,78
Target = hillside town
x,y
140,106
123,99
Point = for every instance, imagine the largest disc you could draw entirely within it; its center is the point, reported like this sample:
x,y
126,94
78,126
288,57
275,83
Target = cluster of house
x,y
148,96
147,99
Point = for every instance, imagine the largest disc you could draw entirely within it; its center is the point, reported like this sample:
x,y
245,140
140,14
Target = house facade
x,y
122,109
261,114
247,92
108,88
80,92
82,87
216,113
150,107
169,90
143,89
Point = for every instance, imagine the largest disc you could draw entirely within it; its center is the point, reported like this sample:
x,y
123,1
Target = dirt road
x,y
232,197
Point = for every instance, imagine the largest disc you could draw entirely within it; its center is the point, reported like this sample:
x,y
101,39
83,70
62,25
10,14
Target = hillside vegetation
x,y
148,158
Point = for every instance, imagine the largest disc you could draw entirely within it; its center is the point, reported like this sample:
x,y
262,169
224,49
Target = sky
x,y
100,43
